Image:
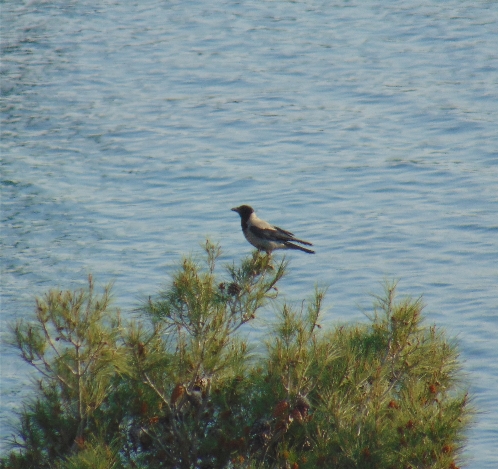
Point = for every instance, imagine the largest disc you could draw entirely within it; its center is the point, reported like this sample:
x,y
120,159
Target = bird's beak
x,y
235,209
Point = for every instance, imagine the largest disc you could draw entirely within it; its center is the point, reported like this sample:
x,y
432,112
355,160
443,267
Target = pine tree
x,y
178,387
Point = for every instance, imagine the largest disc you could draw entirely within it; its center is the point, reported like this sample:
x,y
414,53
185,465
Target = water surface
x,y
129,131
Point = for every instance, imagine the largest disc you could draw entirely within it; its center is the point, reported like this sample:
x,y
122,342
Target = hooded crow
x,y
266,237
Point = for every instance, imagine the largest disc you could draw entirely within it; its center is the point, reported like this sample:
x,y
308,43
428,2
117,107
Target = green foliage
x,y
92,455
179,388
73,346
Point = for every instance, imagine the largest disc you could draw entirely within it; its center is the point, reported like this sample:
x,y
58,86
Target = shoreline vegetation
x,y
178,386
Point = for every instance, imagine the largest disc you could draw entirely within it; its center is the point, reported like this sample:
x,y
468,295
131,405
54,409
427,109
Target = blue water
x,y
129,130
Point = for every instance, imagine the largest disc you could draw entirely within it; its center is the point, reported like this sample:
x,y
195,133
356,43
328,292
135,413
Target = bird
x,y
266,237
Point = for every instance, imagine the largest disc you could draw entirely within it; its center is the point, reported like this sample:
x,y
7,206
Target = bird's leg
x,y
268,259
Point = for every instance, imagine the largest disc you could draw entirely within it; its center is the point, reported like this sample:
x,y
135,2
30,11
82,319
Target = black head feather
x,y
244,211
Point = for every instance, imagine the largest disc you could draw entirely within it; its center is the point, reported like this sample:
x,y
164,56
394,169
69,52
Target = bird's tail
x,y
302,241
300,248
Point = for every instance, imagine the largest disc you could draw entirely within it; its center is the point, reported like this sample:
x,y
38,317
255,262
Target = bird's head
x,y
244,211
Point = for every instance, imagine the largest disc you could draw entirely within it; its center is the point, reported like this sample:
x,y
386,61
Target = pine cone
x,y
195,398
177,393
234,289
201,384
303,406
296,415
280,408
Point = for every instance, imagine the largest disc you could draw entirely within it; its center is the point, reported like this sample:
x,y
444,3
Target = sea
x,y
130,129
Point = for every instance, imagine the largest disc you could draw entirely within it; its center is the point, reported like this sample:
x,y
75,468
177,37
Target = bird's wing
x,y
276,234
270,233
283,235
284,232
